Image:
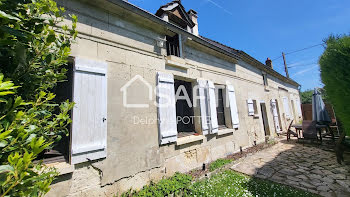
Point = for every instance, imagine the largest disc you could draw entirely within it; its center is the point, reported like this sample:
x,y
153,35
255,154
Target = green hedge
x,y
335,74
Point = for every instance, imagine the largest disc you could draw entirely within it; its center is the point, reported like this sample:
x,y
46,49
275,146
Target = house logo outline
x,y
129,83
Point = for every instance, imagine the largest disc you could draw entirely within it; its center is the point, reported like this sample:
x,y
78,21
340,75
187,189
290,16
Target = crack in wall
x,y
129,177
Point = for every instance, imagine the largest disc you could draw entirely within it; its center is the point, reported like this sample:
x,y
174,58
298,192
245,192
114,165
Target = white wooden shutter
x,y
250,107
203,105
286,107
212,108
275,115
233,105
89,126
298,107
166,108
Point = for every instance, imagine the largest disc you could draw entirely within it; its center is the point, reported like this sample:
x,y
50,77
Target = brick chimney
x,y
194,17
268,63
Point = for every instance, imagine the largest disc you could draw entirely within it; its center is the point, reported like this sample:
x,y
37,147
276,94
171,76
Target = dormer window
x,y
175,13
173,45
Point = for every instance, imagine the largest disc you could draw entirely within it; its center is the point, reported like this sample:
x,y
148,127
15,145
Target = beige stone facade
x,y
127,38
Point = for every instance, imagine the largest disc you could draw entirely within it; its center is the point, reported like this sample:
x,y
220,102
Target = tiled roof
x,y
220,45
246,57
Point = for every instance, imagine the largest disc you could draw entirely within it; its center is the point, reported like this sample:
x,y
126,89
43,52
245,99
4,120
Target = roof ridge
x,y
219,43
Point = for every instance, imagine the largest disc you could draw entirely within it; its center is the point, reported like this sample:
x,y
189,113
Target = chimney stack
x,y
194,17
268,63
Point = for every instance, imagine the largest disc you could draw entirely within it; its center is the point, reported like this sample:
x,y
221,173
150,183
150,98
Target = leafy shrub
x,y
218,163
32,57
32,51
335,75
177,184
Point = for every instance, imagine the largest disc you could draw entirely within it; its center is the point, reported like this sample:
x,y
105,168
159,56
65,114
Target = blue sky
x,y
265,28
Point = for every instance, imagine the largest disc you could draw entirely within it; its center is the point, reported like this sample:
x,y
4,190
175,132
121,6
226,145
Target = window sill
x,y
176,62
225,131
256,115
189,139
62,167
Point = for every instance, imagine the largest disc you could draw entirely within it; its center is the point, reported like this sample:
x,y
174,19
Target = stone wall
x,y
134,156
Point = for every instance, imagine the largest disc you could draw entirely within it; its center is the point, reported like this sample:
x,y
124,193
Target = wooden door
x,y
265,119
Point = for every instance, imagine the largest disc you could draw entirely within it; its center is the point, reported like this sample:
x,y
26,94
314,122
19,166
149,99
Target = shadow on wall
x,y
304,166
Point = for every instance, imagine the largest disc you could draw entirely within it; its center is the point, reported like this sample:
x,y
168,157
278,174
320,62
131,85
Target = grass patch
x,y
225,183
230,183
177,184
218,163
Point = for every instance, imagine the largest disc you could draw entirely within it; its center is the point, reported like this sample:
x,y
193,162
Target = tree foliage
x,y
335,74
33,51
306,96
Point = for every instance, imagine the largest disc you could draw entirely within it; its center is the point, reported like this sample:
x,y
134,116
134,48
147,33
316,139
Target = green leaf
x,y
6,93
3,143
30,138
18,102
8,16
51,38
42,94
3,135
14,32
6,168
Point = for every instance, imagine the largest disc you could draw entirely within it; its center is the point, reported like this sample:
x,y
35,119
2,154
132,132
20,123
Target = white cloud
x,y
305,70
302,62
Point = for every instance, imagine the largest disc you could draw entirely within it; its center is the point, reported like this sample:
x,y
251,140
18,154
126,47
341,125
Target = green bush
x,y
335,74
218,163
33,55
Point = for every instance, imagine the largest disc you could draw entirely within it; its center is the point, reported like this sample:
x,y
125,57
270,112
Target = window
x,y
286,108
184,108
86,86
252,108
255,108
265,79
220,108
60,151
173,45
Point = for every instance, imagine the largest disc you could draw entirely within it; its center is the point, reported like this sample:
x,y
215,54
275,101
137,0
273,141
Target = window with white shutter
x,y
275,115
204,105
212,108
89,126
220,106
166,108
250,107
298,107
286,107
233,105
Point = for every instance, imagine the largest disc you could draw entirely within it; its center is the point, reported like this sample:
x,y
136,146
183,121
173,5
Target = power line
x,y
304,49
298,51
296,62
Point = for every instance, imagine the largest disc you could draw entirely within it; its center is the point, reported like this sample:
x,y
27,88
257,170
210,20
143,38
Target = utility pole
x,y
285,65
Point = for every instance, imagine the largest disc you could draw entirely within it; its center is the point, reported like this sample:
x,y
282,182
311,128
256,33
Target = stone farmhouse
x,y
125,63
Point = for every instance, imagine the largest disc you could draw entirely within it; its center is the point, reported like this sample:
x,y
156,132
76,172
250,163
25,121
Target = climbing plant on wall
x,y
34,49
